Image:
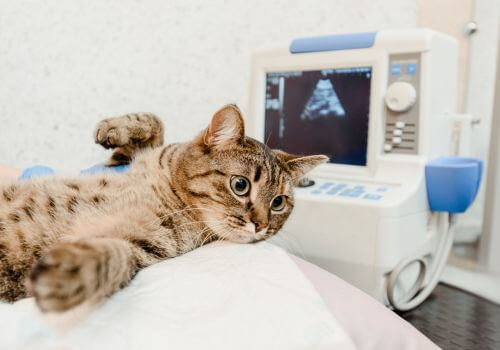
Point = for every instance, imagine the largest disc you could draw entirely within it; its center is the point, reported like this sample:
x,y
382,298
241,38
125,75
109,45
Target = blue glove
x,y
101,168
36,171
42,170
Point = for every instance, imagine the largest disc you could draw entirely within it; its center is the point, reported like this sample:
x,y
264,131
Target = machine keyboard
x,y
369,192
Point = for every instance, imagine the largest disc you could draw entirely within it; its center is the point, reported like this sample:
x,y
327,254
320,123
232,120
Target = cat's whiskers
x,y
164,216
201,222
208,237
212,233
217,224
223,235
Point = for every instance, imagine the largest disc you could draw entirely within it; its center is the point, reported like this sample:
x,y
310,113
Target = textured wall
x,y
66,64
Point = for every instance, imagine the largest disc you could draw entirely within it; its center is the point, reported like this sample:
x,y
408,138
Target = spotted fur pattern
x,y
65,241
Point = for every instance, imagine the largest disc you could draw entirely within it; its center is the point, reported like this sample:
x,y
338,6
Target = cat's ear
x,y
226,128
299,166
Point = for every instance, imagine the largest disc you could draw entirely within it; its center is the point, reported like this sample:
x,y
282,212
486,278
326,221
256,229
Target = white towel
x,y
221,296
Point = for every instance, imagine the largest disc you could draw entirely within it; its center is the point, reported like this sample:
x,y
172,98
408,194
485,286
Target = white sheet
x,y
221,296
370,324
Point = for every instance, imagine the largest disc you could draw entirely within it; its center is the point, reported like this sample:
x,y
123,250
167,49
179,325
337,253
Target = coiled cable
x,y
419,292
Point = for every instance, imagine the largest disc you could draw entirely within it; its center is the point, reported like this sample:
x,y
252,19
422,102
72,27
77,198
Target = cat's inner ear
x,y
299,166
226,128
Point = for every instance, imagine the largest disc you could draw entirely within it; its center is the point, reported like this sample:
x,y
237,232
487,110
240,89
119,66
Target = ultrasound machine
x,y
382,106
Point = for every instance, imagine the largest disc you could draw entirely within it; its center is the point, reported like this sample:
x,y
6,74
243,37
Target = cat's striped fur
x,y
66,241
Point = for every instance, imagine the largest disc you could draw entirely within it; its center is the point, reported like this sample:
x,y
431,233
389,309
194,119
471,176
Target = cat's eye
x,y
240,185
278,203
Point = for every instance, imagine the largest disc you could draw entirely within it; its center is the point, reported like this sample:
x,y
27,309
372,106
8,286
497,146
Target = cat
x,y
66,241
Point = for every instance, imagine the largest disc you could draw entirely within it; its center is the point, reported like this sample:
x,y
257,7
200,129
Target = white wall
x,y
478,55
481,91
66,64
490,241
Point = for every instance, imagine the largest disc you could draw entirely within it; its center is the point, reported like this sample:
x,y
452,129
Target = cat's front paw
x,y
136,129
65,277
112,133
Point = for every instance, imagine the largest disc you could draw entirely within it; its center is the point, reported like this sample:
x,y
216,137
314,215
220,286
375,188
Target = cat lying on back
x,y
69,240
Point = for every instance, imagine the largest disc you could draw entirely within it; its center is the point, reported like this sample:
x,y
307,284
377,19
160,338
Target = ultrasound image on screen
x,y
319,112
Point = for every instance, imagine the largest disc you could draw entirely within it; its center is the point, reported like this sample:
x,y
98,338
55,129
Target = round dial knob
x,y
400,96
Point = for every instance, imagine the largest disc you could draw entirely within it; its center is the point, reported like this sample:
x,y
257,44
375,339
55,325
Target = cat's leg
x,y
90,269
128,134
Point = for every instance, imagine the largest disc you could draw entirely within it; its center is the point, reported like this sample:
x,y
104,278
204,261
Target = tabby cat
x,y
69,240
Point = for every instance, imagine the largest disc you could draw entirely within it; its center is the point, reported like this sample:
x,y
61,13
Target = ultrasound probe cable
x,y
419,292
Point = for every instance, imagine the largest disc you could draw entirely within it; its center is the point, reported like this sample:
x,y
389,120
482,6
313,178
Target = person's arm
x,y
8,173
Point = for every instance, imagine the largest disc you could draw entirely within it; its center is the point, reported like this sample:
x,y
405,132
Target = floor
x,y
455,319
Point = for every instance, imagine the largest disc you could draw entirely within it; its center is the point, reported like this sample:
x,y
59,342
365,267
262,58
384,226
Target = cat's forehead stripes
x,y
258,172
253,160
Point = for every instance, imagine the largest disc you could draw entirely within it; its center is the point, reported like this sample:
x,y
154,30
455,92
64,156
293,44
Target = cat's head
x,y
243,188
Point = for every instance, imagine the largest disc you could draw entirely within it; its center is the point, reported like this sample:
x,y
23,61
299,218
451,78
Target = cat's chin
x,y
242,236
238,235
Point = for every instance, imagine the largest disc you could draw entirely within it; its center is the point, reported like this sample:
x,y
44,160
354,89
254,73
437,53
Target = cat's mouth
x,y
248,237
248,233
240,234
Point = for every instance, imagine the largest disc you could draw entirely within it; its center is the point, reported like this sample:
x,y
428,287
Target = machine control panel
x,y
371,192
402,105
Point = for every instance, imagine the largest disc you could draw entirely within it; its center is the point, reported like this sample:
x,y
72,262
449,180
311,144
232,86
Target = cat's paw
x,y
65,277
111,133
138,129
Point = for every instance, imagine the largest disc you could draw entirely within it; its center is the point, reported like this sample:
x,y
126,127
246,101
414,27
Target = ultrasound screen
x,y
319,112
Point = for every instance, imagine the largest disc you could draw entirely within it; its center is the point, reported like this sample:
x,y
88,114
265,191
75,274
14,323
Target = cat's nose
x,y
259,218
259,225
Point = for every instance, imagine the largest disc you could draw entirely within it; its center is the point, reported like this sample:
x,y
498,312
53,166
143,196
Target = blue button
x,y
396,69
345,193
325,185
341,185
359,187
355,194
411,69
332,192
316,192
374,197
382,189
358,192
